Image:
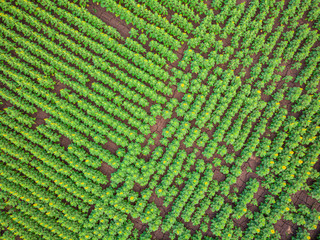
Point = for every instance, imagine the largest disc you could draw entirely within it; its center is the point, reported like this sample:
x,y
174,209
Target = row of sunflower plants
x,y
173,171
84,91
59,103
106,41
13,228
38,174
289,166
182,22
53,168
97,75
180,202
222,129
89,18
198,194
219,222
94,148
16,100
310,68
155,6
182,9
105,118
25,119
40,183
48,133
101,102
57,63
155,19
44,214
246,197
163,51
153,31
94,33
93,175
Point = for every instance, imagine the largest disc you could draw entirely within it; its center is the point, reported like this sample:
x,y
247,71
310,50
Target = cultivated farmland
x,y
159,119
